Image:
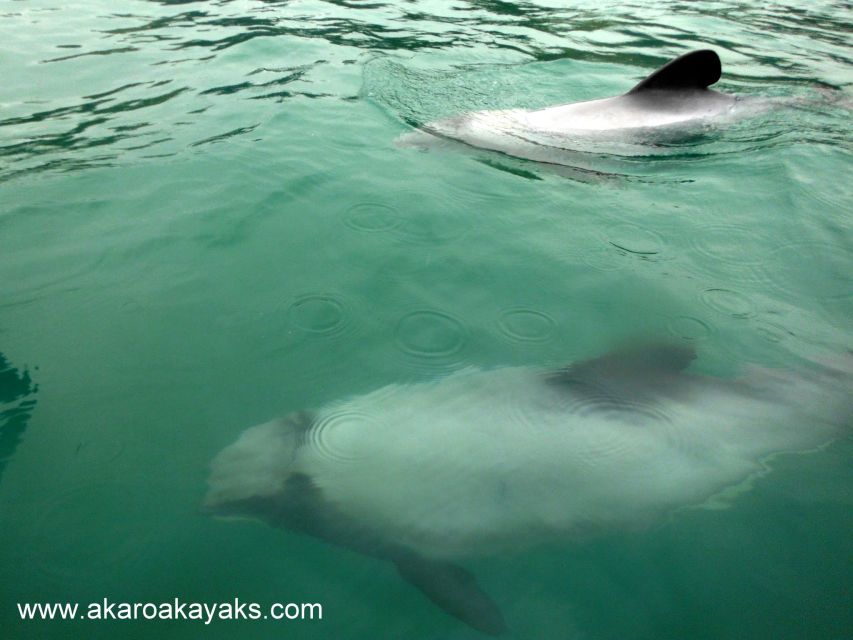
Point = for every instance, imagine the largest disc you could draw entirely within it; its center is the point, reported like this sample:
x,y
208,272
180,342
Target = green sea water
x,y
205,223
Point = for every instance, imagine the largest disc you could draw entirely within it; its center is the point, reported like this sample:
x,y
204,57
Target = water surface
x,y
205,223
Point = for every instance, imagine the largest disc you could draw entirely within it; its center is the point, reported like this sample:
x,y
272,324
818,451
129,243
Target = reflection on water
x,y
184,75
17,401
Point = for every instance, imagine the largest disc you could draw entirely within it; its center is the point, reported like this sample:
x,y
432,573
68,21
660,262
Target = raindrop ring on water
x,y
526,325
332,433
372,217
636,240
318,313
689,328
727,302
430,334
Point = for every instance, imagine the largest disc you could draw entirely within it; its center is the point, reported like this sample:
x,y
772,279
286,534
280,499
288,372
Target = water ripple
x,y
418,218
323,315
689,328
615,444
440,222
89,530
335,436
636,240
104,52
727,302
815,270
431,340
526,325
214,52
372,217
773,332
727,249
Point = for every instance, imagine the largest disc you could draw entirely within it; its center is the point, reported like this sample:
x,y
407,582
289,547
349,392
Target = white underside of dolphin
x,y
673,98
483,461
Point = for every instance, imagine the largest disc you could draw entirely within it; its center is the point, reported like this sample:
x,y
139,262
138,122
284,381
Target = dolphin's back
x,y
675,93
484,459
673,97
643,111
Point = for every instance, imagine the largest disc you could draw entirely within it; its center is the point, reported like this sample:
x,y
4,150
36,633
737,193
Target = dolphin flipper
x,y
453,589
695,70
302,507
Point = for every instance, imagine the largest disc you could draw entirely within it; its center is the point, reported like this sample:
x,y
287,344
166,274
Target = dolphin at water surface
x,y
484,461
673,98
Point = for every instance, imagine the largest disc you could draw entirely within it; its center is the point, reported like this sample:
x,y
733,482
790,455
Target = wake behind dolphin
x,y
674,99
483,461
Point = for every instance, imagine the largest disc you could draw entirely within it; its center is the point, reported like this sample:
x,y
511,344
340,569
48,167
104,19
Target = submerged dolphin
x,y
481,461
672,98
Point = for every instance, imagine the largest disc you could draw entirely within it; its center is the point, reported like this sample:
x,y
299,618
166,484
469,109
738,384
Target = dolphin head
x,y
250,471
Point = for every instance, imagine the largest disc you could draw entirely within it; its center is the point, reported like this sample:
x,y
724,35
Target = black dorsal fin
x,y
694,70
628,375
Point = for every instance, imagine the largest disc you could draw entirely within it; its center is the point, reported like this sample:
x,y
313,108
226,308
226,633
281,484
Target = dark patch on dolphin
x,y
694,71
300,506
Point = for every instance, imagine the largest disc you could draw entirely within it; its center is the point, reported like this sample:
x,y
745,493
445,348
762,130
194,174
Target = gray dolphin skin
x,y
485,461
673,99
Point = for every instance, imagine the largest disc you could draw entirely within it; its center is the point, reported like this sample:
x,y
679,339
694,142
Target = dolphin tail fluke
x,y
453,589
695,70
